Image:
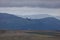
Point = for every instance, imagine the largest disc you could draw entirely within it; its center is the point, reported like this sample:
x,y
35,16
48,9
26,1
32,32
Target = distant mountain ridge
x,y
37,16
12,22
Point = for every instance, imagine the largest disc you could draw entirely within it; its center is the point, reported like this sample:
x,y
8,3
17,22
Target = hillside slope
x,y
12,22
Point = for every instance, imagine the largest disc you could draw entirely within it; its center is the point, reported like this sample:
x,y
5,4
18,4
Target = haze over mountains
x,y
12,22
36,16
39,16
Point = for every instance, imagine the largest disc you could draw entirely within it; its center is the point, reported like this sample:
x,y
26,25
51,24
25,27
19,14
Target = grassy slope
x,y
22,35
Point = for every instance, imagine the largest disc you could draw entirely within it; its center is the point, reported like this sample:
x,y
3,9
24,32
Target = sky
x,y
30,7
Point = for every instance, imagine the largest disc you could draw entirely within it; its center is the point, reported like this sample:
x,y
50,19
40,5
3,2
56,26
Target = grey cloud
x,y
30,3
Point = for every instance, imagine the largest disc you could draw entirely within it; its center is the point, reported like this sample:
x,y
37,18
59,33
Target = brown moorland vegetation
x,y
28,35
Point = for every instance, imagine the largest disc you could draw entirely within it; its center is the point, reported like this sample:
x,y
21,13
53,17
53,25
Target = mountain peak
x,y
6,15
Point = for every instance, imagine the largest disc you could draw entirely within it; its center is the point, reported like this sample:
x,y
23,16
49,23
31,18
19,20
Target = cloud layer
x,y
30,3
30,7
30,11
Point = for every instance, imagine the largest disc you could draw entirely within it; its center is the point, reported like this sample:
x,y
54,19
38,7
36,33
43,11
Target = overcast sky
x,y
29,7
30,3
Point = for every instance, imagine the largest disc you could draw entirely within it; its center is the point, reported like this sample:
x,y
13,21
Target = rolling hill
x,y
12,22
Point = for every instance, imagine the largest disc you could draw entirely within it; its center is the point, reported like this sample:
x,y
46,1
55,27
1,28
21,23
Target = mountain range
x,y
36,16
12,22
39,16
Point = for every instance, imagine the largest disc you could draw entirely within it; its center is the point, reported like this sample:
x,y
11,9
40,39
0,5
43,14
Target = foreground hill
x,y
8,21
12,22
